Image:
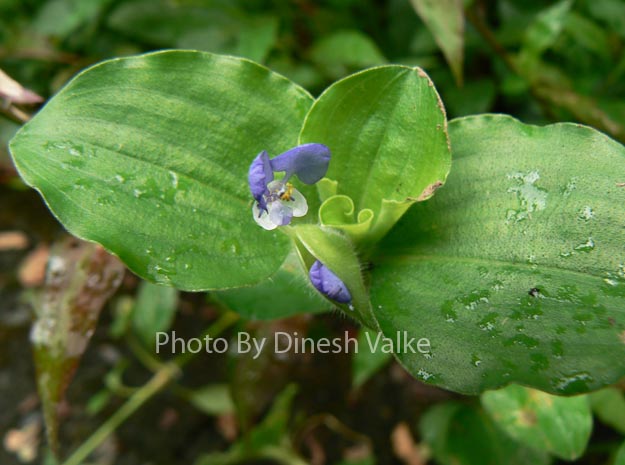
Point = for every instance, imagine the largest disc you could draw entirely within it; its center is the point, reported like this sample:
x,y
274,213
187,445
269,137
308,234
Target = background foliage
x,y
539,61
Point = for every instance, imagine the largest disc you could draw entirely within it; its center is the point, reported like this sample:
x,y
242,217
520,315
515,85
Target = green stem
x,y
160,379
165,374
146,358
226,320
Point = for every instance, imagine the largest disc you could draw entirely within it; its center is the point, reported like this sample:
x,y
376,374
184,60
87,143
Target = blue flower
x,y
277,201
329,284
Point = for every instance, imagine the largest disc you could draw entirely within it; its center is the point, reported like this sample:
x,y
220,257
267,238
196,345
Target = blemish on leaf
x,y
586,246
526,417
622,337
586,213
429,191
531,197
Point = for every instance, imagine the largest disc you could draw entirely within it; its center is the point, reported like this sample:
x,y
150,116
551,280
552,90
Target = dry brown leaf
x,y
13,240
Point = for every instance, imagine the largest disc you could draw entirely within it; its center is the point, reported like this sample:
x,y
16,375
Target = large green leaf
x,y
149,155
387,131
515,271
537,419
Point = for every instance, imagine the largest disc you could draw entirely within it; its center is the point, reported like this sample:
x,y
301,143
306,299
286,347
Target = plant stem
x,y
160,379
165,374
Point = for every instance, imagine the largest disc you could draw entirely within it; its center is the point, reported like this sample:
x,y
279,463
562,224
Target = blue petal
x,y
259,176
328,283
309,162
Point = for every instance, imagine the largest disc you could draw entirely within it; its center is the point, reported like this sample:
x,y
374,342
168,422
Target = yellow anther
x,y
286,192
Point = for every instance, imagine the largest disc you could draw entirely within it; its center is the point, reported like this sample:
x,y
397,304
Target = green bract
x,y
515,270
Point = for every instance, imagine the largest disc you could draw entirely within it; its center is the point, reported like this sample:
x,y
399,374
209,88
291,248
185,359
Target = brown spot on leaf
x,y
527,417
622,337
429,191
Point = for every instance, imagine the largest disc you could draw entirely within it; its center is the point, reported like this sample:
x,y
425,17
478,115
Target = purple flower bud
x,y
328,283
308,161
260,174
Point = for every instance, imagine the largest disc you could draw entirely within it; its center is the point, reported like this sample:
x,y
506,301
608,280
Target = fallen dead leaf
x,y
357,453
405,448
13,240
24,442
32,270
14,92
227,426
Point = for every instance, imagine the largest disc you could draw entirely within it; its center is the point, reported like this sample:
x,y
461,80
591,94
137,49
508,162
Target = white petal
x,y
263,220
280,213
275,185
298,204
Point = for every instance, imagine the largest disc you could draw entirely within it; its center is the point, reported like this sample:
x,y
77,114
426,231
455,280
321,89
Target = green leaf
x,y
226,29
464,435
342,51
588,34
536,419
153,311
80,278
286,293
515,271
473,97
367,362
542,34
62,17
213,399
269,440
164,23
546,28
445,20
620,455
336,252
149,156
257,37
611,12
387,132
609,406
